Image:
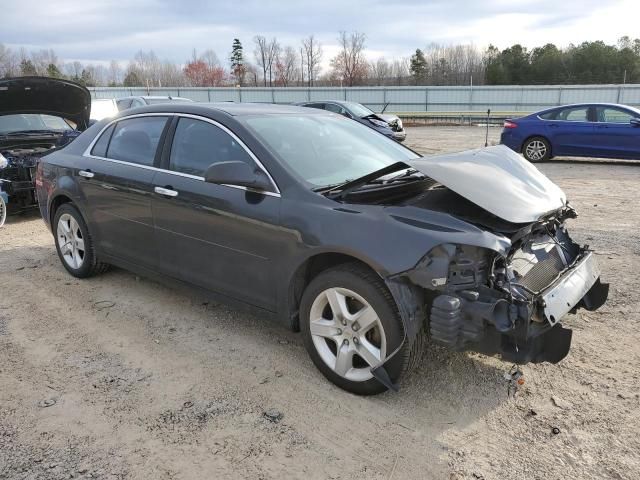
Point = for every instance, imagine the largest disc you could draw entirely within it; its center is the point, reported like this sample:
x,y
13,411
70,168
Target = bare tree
x,y
9,62
380,71
115,73
286,66
260,53
311,59
350,64
210,58
265,54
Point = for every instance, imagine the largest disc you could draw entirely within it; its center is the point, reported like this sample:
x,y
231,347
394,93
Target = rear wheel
x,y
536,149
350,323
74,243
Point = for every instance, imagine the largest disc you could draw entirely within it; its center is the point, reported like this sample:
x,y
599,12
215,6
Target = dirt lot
x,y
119,377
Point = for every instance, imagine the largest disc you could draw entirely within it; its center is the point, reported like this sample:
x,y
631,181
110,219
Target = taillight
x,y
510,124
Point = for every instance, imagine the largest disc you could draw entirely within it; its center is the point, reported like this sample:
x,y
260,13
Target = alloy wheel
x,y
347,333
70,241
536,150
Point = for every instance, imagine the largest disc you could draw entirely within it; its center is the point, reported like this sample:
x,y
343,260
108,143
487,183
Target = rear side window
x,y
549,115
577,114
100,147
197,145
136,140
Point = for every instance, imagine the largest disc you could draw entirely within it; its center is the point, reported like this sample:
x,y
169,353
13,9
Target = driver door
x,y
219,237
615,136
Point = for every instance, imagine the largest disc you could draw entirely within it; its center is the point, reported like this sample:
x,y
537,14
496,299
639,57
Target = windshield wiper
x,y
23,133
340,190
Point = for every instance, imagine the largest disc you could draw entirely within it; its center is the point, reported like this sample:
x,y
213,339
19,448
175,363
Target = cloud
x,y
101,30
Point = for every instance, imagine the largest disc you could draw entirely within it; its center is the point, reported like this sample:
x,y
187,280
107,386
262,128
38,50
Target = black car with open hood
x,y
37,115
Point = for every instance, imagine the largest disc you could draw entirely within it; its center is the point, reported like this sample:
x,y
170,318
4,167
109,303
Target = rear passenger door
x,y
571,131
219,237
117,182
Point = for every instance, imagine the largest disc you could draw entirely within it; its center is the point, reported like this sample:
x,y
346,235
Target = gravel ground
x,y
118,377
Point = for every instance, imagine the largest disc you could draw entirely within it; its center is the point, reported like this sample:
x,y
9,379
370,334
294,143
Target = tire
x,y
356,289
3,211
74,243
536,149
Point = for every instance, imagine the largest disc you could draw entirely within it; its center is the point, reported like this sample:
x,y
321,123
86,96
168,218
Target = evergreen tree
x,y
418,67
237,61
54,71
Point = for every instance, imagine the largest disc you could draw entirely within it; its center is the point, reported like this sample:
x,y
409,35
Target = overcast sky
x,y
101,30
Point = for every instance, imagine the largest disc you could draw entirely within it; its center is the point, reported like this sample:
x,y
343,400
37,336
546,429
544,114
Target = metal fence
x,y
406,100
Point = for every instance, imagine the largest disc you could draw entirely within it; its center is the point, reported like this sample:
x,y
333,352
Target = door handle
x,y
166,191
554,125
86,173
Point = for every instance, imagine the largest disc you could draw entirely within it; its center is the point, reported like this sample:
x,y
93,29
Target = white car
x,y
103,108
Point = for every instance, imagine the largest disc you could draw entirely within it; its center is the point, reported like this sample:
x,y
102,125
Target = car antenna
x,y
486,135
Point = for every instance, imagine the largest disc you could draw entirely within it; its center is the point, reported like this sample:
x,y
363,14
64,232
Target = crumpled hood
x,y
50,96
496,179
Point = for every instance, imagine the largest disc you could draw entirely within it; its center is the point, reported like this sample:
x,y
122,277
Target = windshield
x,y
325,149
25,122
358,109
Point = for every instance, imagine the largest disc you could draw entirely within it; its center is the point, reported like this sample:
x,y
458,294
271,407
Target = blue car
x,y
581,130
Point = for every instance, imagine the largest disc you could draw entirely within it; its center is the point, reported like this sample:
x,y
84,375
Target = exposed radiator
x,y
537,264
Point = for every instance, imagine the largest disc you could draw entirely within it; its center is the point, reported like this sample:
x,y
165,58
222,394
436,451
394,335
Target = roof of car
x,y
590,104
337,102
230,108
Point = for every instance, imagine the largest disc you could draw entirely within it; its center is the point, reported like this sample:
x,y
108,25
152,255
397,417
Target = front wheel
x,y
536,149
350,323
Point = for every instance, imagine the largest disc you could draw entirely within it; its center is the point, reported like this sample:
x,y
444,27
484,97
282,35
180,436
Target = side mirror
x,y
635,122
237,173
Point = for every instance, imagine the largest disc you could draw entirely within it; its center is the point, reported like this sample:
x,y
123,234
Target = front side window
x,y
136,139
334,108
614,115
326,149
198,144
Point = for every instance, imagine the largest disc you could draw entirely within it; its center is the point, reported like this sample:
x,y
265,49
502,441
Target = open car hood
x,y
48,96
496,179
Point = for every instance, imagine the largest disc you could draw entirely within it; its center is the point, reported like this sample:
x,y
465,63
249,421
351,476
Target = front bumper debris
x,y
518,331
561,297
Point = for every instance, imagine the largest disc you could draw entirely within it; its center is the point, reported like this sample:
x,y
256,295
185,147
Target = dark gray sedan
x,y
319,222
386,124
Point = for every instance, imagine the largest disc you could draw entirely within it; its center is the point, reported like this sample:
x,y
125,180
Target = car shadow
x,y
446,390
23,216
591,161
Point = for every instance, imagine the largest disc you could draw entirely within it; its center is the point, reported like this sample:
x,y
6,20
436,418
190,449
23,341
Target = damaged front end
x,y
505,304
18,162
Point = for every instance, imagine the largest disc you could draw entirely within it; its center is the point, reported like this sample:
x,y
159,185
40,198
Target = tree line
x,y
269,63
